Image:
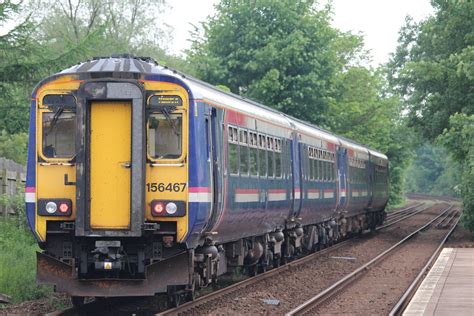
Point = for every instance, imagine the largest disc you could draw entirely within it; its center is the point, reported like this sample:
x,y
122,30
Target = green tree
x,y
432,171
108,27
283,53
433,66
433,69
361,110
14,146
459,139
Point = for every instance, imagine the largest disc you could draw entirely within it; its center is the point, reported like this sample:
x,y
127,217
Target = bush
x,y
18,262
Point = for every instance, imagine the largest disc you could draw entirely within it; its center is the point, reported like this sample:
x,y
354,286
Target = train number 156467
x,y
162,187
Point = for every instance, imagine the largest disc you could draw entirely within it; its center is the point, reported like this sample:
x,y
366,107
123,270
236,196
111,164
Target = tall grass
x,y
18,262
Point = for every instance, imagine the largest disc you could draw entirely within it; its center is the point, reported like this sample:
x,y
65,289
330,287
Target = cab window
x,y
165,135
59,134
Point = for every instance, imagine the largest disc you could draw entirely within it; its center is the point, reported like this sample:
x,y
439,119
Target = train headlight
x,y
167,208
171,208
63,208
51,207
158,209
54,207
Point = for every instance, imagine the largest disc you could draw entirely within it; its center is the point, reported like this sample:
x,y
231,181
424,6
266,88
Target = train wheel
x,y
276,261
253,270
190,296
77,301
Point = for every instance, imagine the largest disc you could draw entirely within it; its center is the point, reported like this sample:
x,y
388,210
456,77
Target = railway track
x,y
422,196
193,306
312,305
405,213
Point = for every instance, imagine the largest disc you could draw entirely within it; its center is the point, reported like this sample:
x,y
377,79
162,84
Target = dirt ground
x,y
37,307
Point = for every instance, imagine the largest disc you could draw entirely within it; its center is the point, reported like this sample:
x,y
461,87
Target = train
x,y
142,180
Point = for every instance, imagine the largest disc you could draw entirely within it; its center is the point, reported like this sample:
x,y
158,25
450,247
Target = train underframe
x,y
155,263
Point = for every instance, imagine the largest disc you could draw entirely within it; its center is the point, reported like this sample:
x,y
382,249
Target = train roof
x,y
125,63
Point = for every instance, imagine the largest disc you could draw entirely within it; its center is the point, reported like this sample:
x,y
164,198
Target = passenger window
x,y
165,135
253,153
278,165
262,155
244,155
329,171
233,159
311,169
59,134
328,175
244,160
233,141
253,161
271,170
321,170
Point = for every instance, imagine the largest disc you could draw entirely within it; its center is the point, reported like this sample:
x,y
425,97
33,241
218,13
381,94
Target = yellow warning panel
x,y
110,161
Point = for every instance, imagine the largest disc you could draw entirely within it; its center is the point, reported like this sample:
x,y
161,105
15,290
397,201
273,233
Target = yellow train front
x,y
106,191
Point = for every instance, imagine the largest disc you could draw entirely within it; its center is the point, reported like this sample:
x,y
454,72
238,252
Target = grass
x,y
18,262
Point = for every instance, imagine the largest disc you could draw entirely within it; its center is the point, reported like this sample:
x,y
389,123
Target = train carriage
x,y
142,180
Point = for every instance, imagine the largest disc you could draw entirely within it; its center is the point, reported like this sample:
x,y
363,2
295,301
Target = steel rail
x,y
390,223
408,208
411,290
448,219
342,283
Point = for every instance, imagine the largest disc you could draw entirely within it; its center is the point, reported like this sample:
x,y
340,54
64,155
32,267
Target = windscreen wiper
x,y
170,120
57,113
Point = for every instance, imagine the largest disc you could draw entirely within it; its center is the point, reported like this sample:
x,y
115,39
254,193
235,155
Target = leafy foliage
x,y
433,69
18,263
459,139
433,66
282,53
432,171
14,146
399,152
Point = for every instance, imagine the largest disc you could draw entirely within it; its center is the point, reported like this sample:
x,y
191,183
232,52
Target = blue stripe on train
x,y
198,170
31,167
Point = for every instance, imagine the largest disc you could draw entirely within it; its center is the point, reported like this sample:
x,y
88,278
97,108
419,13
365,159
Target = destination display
x,y
166,100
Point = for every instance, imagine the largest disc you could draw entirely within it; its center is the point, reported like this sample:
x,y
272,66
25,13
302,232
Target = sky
x,y
377,20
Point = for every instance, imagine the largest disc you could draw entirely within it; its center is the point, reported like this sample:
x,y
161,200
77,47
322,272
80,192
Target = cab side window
x,y
59,126
59,135
165,135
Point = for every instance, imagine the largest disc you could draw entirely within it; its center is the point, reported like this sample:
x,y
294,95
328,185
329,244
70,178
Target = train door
x,y
298,176
342,175
214,152
296,172
371,180
110,161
